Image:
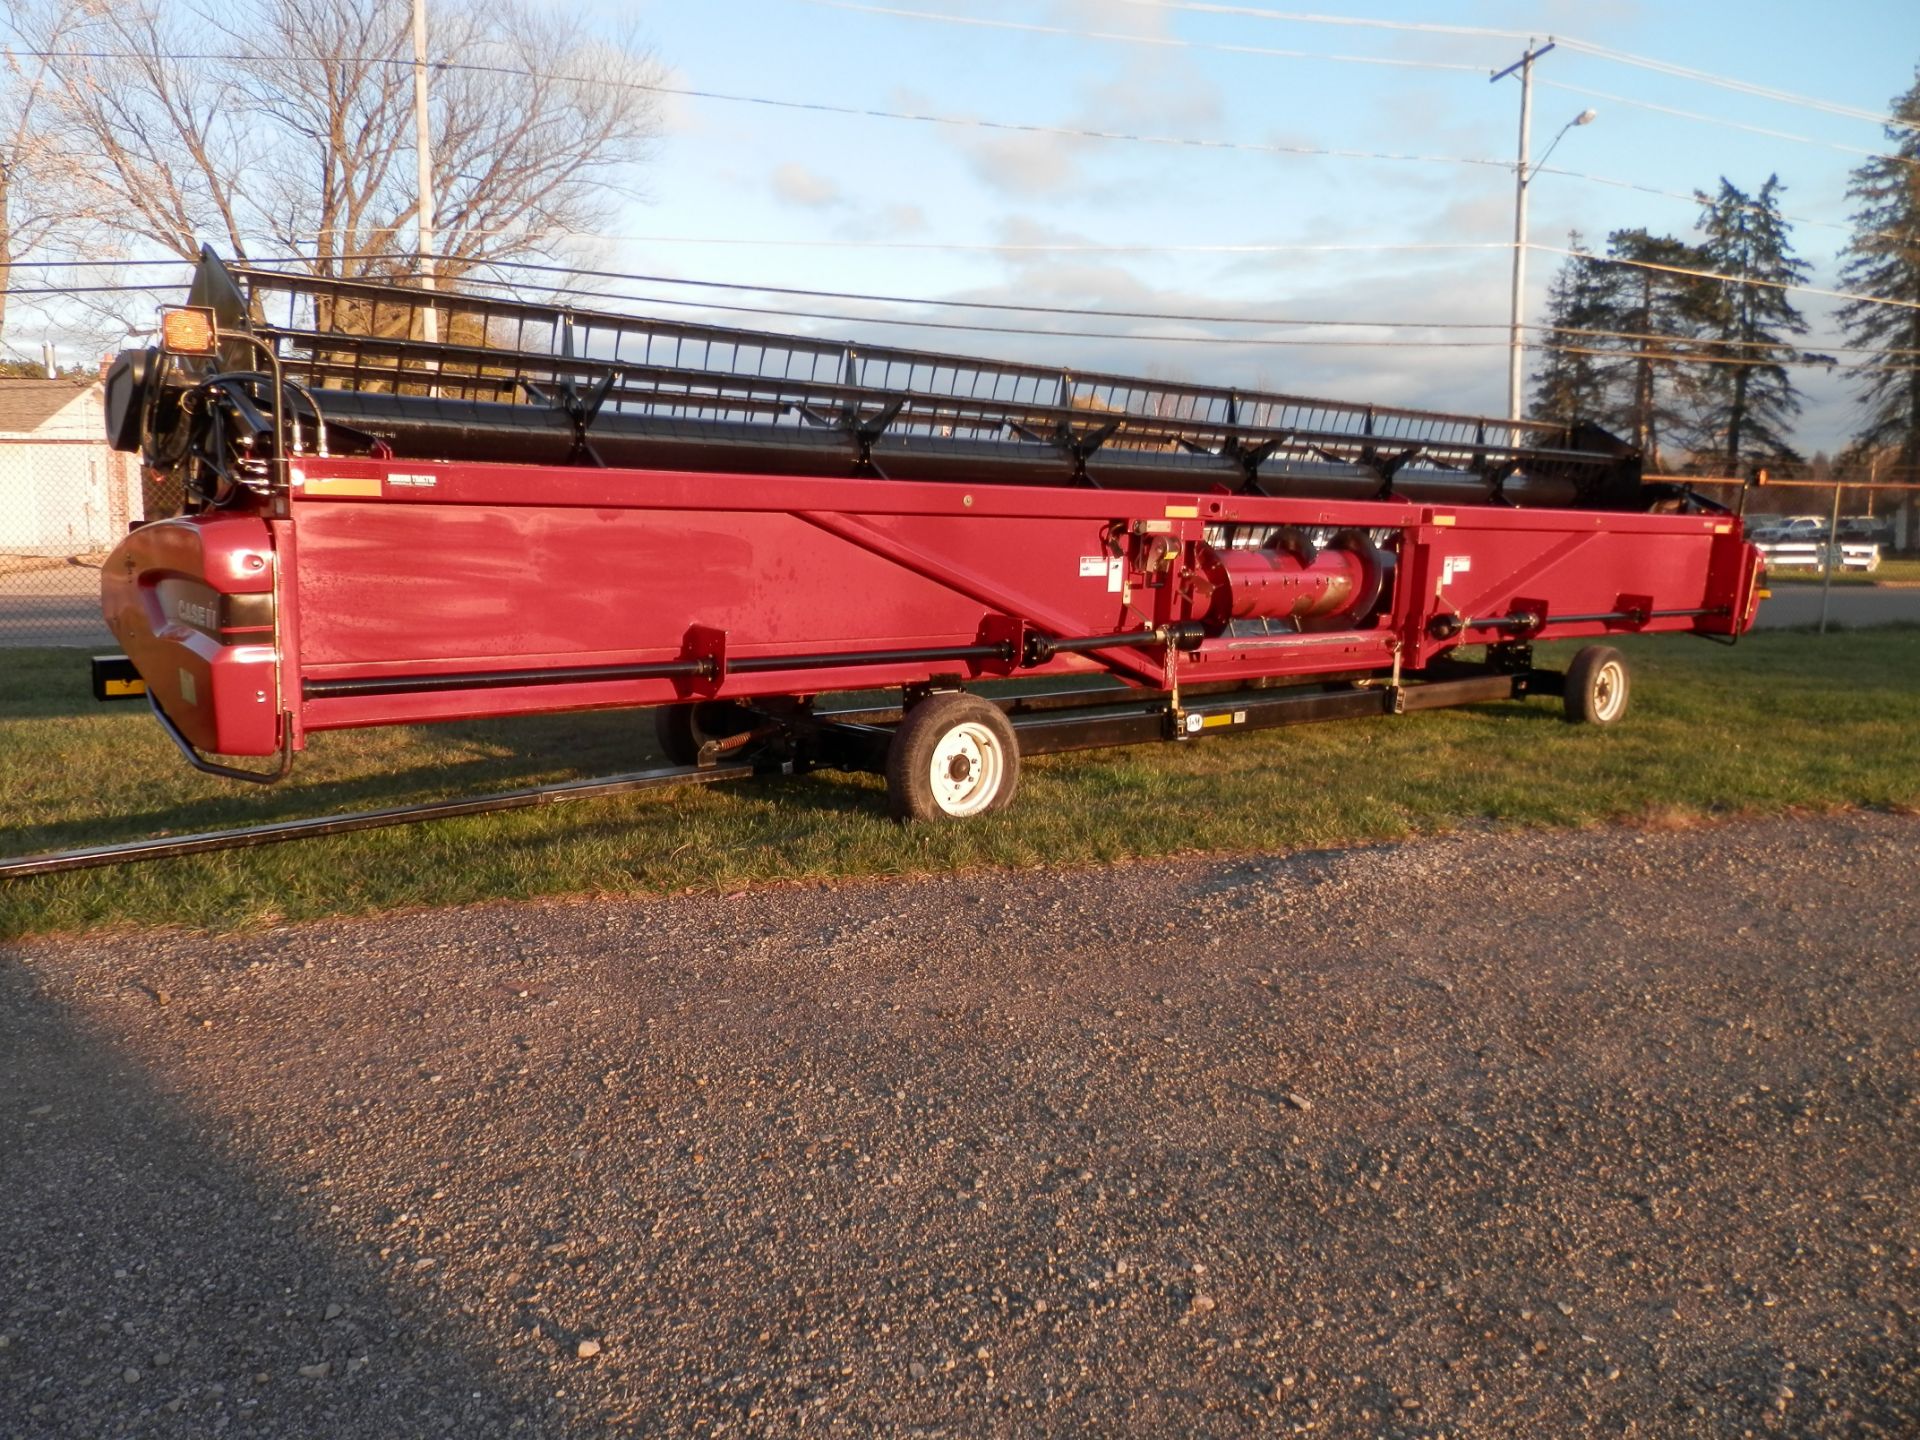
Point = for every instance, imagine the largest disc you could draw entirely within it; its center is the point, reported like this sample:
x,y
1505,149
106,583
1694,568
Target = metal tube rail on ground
x,y
1060,722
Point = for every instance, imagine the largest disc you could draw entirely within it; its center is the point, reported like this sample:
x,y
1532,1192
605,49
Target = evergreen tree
x,y
1570,382
1745,410
1883,260
1655,308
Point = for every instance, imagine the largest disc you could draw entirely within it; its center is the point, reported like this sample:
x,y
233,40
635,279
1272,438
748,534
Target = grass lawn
x,y
1903,571
1783,720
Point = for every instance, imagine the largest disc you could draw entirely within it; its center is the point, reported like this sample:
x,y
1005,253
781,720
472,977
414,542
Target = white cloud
x,y
795,184
1029,166
1154,91
889,222
903,220
1149,93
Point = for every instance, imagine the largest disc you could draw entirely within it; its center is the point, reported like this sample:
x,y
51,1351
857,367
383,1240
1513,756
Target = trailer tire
x,y
1597,687
681,730
952,758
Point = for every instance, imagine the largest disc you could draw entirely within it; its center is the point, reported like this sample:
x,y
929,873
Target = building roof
x,y
26,405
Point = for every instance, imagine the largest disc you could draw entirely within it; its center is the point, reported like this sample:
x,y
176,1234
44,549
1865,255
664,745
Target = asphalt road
x,y
58,606
1854,606
1501,1135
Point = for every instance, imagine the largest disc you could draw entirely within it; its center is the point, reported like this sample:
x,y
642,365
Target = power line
x,y
788,313
1263,342
1162,42
980,123
1677,358
1041,248
1728,279
1720,120
1169,42
948,303
1087,312
1406,26
1066,132
184,260
794,242
83,289
997,305
1743,87
1580,331
1008,307
1694,199
821,107
868,319
906,300
970,328
1585,47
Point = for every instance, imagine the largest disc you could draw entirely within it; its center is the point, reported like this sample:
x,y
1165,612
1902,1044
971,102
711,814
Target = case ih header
x,y
551,509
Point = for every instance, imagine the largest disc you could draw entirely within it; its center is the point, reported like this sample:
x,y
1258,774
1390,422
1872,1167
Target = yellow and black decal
x,y
114,678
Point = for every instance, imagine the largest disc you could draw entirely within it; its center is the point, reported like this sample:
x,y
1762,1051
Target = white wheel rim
x,y
1609,690
966,770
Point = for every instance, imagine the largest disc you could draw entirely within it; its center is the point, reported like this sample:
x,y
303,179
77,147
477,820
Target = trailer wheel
x,y
953,757
682,729
1597,687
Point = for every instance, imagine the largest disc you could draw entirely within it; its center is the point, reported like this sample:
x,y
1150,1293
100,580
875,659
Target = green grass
x,y
1783,721
1906,572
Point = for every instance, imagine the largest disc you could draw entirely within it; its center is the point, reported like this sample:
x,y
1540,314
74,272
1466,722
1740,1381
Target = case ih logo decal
x,y
192,612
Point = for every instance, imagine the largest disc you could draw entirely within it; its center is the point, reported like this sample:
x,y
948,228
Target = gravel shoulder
x,y
1609,1132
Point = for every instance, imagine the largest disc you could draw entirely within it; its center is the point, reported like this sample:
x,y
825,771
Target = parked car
x,y
1867,530
1781,529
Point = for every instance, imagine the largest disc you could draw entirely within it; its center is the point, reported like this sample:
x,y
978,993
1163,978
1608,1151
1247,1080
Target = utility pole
x,y
423,150
1523,173
1516,358
1515,344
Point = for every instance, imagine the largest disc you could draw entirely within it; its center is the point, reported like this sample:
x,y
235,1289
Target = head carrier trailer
x,y
550,509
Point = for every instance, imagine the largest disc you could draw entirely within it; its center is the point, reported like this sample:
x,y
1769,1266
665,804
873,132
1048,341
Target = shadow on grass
x,y
151,1282
526,750
352,770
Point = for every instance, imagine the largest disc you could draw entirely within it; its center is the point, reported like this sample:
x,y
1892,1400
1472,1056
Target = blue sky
x,y
874,200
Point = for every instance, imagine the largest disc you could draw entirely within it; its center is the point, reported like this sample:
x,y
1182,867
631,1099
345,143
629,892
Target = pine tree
x,y
1570,382
1744,406
1883,261
1655,308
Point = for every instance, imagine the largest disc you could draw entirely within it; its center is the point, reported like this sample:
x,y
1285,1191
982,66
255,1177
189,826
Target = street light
x,y
1585,117
1523,174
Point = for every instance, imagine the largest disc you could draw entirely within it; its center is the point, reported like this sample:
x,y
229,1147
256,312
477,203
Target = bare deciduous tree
x,y
41,214
286,126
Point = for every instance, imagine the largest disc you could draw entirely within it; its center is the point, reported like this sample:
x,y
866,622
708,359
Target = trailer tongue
x,y
546,509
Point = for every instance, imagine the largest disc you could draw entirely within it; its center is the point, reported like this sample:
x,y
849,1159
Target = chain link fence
x,y
1842,547
65,501
1806,515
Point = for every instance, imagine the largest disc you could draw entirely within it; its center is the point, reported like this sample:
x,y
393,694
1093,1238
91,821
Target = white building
x,y
62,491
